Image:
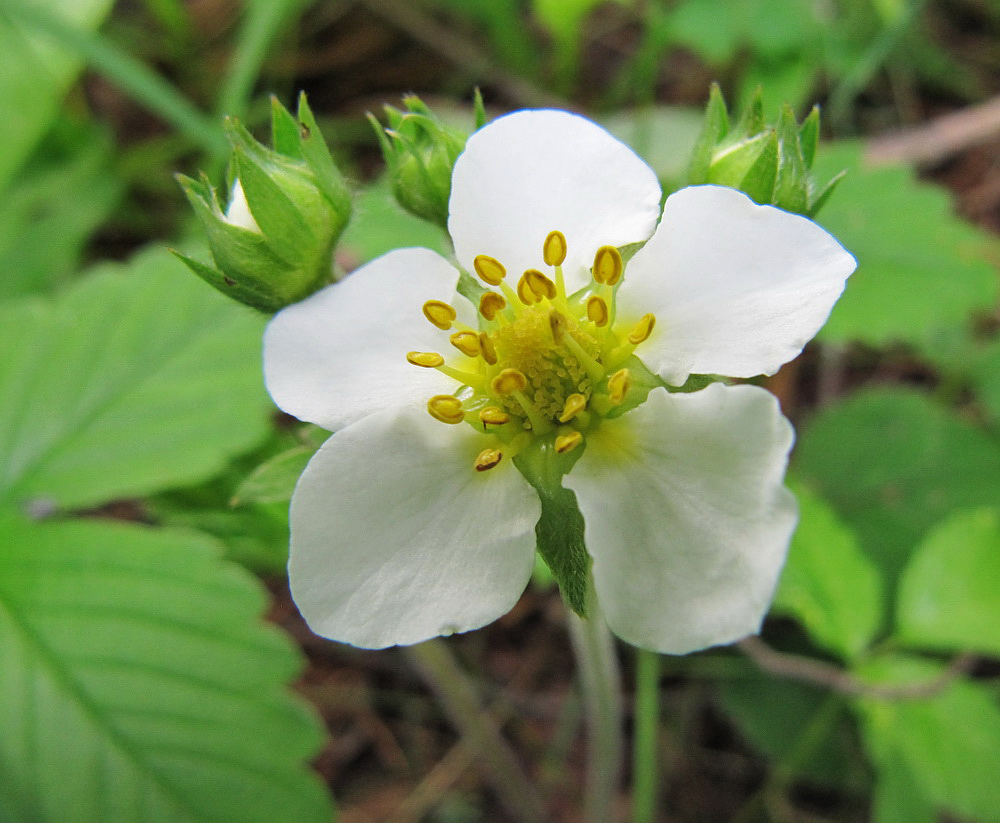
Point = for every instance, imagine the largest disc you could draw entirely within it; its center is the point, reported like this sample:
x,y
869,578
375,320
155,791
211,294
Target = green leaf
x,y
899,798
139,684
949,743
52,208
919,266
35,73
136,379
829,584
949,597
893,464
802,730
273,481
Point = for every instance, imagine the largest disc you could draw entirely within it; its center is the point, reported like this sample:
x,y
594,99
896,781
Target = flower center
x,y
542,363
551,370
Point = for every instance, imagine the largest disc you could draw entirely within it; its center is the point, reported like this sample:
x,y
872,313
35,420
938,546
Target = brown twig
x,y
829,676
940,138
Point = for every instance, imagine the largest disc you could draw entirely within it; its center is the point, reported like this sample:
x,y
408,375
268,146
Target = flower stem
x,y
601,686
457,693
647,721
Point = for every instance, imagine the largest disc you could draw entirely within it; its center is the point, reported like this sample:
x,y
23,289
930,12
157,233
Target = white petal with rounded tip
x,y
537,171
686,516
396,537
340,354
737,289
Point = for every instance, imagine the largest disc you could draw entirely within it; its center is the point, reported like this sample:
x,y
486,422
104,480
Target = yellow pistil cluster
x,y
542,363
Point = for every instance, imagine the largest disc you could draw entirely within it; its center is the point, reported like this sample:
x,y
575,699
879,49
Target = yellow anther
x,y
618,385
508,382
525,293
489,269
554,250
446,408
427,359
597,310
540,284
487,459
466,342
642,329
575,404
487,349
439,313
491,304
568,442
493,416
608,265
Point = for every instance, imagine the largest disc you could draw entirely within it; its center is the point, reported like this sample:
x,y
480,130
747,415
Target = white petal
x,y
686,516
737,289
396,537
340,354
533,172
238,210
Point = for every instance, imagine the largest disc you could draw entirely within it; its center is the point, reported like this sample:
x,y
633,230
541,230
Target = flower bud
x,y
769,162
420,153
273,243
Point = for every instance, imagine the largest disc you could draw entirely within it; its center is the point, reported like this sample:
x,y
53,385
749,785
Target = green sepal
x,y
478,110
243,291
791,189
560,529
317,156
750,166
820,198
285,224
285,136
714,129
752,119
239,253
809,136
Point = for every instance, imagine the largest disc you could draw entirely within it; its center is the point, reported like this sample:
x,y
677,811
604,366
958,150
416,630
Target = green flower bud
x,y
273,243
420,153
770,163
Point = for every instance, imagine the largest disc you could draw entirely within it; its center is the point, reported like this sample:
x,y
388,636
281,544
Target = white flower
x,y
404,527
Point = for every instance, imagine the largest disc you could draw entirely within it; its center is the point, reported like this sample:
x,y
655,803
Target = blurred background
x,y
132,400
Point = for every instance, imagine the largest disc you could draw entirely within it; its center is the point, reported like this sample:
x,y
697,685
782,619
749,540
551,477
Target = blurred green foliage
x,y
131,391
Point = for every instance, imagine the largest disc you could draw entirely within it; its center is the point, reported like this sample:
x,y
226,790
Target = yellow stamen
x,y
642,329
540,284
525,293
441,314
608,265
446,408
567,442
597,311
554,250
557,323
575,404
493,416
487,459
487,349
508,382
491,304
425,359
618,385
466,342
489,269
